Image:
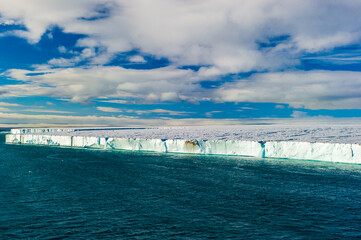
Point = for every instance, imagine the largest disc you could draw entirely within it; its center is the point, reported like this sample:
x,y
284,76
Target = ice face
x,y
44,140
40,130
334,152
246,148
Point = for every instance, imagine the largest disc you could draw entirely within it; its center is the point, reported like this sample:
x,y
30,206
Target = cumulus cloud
x,y
115,101
309,89
137,59
299,114
45,111
300,89
211,113
160,111
222,37
6,104
5,22
108,109
7,119
78,57
82,84
16,119
2,109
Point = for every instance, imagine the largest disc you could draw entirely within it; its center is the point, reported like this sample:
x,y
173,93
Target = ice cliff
x,y
323,151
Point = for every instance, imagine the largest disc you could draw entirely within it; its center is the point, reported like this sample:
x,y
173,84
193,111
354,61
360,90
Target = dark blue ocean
x,y
64,193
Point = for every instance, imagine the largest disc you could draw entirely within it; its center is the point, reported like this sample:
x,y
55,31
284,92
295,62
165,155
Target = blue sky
x,y
123,63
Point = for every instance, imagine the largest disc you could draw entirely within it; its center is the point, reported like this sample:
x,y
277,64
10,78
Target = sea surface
x,y
64,193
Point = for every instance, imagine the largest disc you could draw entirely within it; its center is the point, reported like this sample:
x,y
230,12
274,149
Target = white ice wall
x,y
155,145
45,140
232,147
85,142
40,130
247,148
334,152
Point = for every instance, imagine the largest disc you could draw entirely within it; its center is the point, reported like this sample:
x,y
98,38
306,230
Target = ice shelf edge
x,y
330,152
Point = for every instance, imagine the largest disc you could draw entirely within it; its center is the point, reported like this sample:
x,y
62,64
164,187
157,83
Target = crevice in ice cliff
x,y
263,151
165,145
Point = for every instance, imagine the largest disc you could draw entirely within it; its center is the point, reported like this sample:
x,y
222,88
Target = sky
x,y
179,62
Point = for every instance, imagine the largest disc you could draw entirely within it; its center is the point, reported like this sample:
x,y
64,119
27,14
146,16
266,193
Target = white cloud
x,y
5,21
45,111
82,84
221,34
351,56
115,101
5,104
300,89
85,54
62,49
161,111
299,114
8,119
64,62
108,109
4,109
211,113
309,89
16,119
137,59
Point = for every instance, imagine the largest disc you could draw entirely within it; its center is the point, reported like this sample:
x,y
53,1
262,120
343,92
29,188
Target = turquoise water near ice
x,y
63,193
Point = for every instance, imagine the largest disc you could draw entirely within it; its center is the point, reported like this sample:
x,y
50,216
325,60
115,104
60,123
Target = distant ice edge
x,y
331,152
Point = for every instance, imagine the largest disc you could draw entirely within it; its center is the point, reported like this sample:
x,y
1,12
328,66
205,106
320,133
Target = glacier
x,y
245,148
278,143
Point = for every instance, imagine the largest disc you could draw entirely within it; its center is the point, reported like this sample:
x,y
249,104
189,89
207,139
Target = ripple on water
x,y
48,192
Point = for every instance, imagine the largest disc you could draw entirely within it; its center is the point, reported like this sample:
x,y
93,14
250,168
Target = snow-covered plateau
x,y
334,143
